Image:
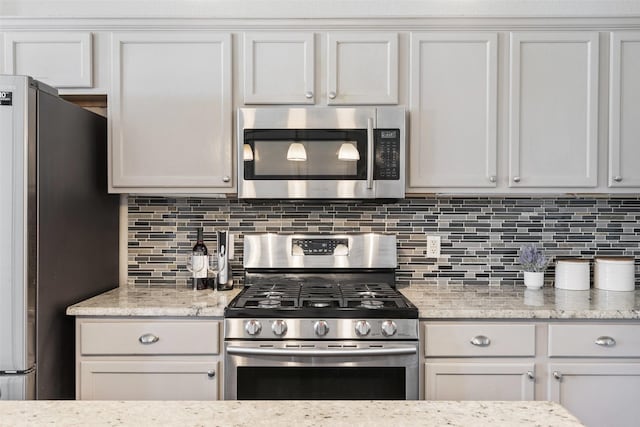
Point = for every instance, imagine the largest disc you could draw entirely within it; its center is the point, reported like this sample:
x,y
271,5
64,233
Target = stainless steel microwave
x,y
321,153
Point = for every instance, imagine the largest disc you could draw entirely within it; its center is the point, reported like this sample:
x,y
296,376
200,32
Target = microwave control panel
x,y
387,154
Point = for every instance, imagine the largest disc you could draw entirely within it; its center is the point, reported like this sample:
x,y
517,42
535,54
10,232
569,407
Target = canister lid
x,y
579,260
624,259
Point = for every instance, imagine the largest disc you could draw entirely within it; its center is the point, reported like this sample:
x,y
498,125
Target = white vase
x,y
533,279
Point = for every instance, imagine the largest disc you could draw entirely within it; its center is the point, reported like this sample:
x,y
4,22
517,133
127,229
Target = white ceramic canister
x,y
572,274
614,274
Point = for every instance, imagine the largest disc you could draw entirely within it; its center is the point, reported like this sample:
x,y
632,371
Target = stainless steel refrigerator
x,y
58,234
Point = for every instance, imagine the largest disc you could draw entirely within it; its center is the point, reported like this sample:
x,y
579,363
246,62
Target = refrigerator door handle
x,y
16,373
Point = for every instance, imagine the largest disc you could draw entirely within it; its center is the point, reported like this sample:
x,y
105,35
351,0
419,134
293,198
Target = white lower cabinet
x,y
594,371
479,361
158,359
462,380
149,379
599,394
590,368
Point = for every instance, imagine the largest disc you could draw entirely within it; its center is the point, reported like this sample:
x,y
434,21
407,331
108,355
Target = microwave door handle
x,y
248,351
369,153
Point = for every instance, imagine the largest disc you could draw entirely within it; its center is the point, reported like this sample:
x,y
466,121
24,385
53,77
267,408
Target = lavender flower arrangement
x,y
532,259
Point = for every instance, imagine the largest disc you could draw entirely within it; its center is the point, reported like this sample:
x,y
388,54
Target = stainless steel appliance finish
x,y
320,318
372,167
325,328
58,234
224,279
279,251
350,369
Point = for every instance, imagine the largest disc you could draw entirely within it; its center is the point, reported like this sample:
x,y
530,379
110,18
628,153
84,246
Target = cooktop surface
x,y
327,299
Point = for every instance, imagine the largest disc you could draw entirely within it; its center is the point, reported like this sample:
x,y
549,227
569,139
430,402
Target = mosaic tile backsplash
x,y
480,236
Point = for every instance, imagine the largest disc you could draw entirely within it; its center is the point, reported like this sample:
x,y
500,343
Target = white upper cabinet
x,y
60,59
362,68
453,102
553,106
624,110
279,68
170,110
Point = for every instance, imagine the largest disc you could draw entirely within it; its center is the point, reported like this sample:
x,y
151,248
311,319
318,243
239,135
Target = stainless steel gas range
x,y
320,318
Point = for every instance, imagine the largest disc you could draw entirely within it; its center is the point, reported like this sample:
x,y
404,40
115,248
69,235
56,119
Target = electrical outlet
x,y
433,246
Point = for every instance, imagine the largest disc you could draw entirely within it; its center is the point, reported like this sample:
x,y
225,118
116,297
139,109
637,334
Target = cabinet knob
x,y
332,95
480,341
530,375
148,339
308,94
605,341
492,178
516,179
557,375
226,178
617,178
211,373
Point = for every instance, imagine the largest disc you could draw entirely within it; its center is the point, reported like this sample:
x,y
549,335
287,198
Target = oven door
x,y
310,370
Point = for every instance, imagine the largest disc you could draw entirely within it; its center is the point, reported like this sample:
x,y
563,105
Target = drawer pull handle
x,y
557,375
148,339
605,341
211,373
481,341
530,375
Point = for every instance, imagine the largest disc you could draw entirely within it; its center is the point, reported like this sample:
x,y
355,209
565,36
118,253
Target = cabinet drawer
x,y
479,340
598,340
131,337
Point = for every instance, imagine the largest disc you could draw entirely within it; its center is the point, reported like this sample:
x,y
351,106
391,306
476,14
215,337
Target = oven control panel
x,y
321,328
319,246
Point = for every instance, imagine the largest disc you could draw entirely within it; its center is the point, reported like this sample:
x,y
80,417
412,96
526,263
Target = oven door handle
x,y
249,351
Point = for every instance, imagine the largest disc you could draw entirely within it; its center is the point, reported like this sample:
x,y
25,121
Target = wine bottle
x,y
199,263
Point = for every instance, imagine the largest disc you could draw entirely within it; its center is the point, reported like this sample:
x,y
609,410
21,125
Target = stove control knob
x,y
362,328
279,327
253,327
321,327
389,328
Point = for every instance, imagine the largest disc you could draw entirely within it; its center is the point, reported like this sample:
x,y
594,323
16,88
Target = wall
x,y
480,236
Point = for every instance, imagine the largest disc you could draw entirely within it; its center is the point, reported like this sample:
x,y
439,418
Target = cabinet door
x,y
453,108
553,121
146,379
59,59
279,68
599,394
624,126
479,381
362,68
170,109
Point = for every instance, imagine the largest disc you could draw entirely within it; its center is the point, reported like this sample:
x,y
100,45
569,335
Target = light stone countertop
x,y
284,413
433,302
517,302
160,301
